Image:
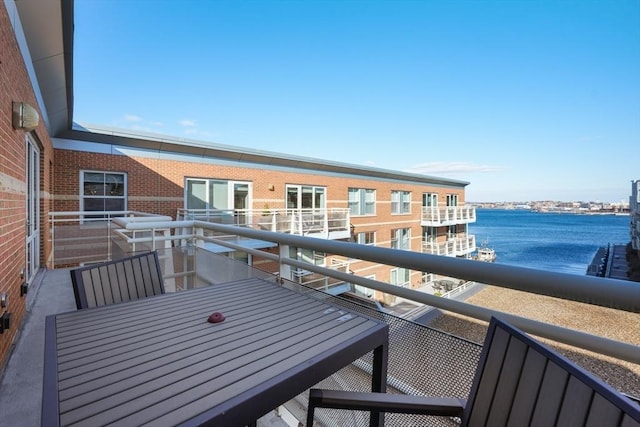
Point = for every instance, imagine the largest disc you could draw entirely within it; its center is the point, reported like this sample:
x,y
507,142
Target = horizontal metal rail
x,y
610,293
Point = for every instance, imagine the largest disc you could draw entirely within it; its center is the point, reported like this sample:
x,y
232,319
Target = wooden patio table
x,y
157,361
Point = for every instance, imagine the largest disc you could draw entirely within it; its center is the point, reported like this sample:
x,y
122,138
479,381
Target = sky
x,y
526,100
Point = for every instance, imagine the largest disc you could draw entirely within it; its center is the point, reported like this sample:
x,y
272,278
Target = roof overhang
x,y
48,30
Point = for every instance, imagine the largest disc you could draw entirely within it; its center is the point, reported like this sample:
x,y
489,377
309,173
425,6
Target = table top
x,y
157,360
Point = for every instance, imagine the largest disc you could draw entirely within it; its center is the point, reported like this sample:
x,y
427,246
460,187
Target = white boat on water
x,y
485,253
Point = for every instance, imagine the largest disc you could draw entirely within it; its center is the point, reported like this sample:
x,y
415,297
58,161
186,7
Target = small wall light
x,y
3,300
24,117
272,187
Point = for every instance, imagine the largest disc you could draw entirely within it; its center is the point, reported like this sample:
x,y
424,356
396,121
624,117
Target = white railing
x,y
447,215
330,223
459,245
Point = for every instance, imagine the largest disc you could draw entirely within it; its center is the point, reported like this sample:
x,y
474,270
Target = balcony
x,y
438,216
323,223
459,245
422,359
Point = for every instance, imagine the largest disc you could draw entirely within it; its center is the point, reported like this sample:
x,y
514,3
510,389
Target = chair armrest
x,y
383,402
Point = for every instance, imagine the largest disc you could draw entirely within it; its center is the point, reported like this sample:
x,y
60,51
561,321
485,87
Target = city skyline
x,y
525,100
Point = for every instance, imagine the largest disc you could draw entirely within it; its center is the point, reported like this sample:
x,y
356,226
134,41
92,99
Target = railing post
x,y
284,269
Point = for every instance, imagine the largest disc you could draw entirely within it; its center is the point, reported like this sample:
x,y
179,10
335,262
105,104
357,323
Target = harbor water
x,y
548,241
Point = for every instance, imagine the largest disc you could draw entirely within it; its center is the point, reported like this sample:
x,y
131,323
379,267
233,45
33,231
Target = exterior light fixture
x,y
24,117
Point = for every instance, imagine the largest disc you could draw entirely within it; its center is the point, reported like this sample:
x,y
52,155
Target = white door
x,y
33,209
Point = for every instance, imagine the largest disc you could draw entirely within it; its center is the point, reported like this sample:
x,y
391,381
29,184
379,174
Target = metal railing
x,y
605,292
455,246
330,223
611,293
447,215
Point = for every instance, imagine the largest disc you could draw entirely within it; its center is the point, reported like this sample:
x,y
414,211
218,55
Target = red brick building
x,y
53,166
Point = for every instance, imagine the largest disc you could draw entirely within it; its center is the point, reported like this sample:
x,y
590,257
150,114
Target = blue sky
x,y
526,100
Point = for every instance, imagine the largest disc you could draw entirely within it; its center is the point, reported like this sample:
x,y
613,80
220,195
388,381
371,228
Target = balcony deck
x,y
21,385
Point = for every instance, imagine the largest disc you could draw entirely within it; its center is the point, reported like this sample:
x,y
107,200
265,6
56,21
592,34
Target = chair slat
x,y
507,383
576,403
603,413
551,394
526,393
484,395
117,281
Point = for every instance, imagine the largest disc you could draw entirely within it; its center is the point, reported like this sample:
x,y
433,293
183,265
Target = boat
x,y
485,253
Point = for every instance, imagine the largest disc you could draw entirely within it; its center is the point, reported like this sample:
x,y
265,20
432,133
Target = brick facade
x,y
156,185
15,86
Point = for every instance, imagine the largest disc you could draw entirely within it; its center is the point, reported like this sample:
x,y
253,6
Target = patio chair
x,y
518,382
116,281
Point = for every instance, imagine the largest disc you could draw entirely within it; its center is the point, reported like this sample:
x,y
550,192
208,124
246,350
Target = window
x,y
452,200
305,197
202,193
401,238
429,199
103,191
430,234
401,277
362,201
367,238
400,202
363,291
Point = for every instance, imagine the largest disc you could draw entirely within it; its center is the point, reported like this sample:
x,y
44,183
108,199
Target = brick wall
x,y
15,86
157,186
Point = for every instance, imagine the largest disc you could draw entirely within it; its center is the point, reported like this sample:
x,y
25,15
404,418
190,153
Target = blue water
x,y
548,241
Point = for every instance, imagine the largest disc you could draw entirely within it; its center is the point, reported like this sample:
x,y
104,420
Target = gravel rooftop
x,y
605,322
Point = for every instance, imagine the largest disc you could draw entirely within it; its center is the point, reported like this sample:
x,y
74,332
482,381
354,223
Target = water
x,y
548,241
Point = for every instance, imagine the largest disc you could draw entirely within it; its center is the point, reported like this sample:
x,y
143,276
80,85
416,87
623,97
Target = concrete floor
x,y
21,382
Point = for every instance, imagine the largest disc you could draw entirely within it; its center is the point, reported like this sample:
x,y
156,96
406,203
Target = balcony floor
x,y
21,382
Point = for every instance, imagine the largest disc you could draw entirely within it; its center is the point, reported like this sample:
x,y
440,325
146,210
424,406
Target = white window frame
x,y
362,238
316,191
230,192
395,275
401,238
104,197
362,201
400,202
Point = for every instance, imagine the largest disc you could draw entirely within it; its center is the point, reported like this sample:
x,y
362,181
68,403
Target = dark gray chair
x,y
518,382
116,281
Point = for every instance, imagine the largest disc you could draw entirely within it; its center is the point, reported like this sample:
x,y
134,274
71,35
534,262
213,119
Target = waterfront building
x,y
634,212
50,164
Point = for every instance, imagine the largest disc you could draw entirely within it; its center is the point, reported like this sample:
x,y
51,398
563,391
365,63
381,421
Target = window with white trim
x,y
103,191
401,277
400,202
401,238
367,238
362,201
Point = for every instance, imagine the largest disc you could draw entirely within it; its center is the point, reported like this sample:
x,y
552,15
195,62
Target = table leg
x,y
379,380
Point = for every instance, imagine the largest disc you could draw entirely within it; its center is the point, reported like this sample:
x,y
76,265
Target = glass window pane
x,y
219,195
93,205
114,184
93,184
114,204
196,194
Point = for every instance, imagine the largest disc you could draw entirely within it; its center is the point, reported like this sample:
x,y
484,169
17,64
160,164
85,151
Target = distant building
x,y
634,212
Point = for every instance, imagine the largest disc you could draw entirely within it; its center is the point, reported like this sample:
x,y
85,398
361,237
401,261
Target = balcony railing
x,y
422,360
326,223
437,216
460,245
616,294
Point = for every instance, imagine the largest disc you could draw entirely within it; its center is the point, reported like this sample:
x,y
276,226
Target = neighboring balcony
x,y
436,216
325,223
459,245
